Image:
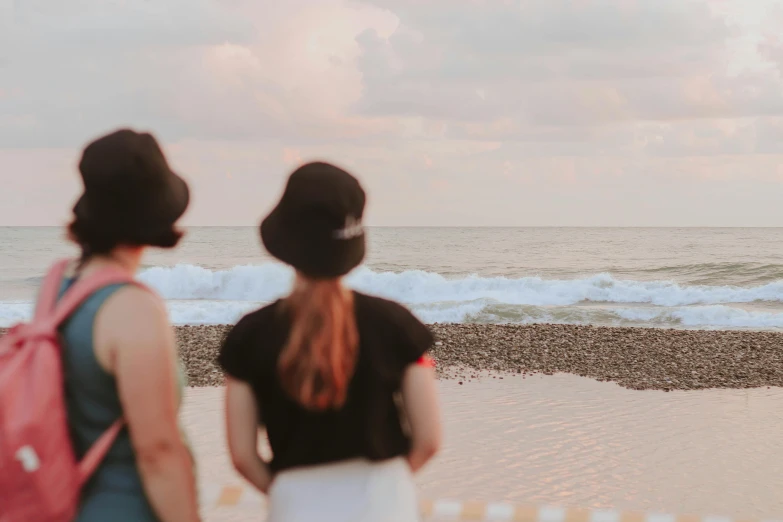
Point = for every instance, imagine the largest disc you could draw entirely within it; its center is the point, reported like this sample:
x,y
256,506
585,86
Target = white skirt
x,y
350,491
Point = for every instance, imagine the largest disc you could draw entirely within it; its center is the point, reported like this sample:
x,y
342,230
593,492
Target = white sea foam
x,y
197,295
13,311
714,315
228,312
268,281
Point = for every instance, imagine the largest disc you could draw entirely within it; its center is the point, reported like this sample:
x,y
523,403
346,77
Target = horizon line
x,y
464,226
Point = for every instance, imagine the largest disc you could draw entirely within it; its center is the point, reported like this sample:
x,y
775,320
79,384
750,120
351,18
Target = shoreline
x,y
632,357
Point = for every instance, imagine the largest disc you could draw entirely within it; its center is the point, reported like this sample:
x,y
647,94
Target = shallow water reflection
x,y
576,442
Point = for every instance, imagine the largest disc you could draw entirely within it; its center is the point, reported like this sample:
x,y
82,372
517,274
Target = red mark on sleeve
x,y
425,360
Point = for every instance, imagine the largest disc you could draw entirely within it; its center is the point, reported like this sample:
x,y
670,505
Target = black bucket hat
x,y
316,227
130,192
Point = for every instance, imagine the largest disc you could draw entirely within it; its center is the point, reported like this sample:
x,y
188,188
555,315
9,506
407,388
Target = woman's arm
x,y
135,342
420,401
242,434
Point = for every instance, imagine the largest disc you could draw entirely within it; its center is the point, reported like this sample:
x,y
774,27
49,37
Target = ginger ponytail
x,y
319,358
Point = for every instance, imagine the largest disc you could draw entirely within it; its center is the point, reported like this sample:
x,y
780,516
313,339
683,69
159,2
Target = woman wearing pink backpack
x,y
115,359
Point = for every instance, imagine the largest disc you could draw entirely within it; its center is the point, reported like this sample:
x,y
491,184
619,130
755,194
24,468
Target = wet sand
x,y
572,441
635,358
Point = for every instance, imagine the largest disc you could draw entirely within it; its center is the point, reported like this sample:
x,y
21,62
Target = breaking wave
x,y
269,281
197,295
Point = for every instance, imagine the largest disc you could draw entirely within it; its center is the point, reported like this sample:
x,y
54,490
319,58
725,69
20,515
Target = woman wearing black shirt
x,y
323,369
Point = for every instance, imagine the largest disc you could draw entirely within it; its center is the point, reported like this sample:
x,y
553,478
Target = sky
x,y
450,112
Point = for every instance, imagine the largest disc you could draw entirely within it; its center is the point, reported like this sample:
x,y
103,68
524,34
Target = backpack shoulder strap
x,y
92,459
47,296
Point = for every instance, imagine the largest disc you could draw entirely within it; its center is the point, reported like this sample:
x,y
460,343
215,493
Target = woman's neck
x,y
127,259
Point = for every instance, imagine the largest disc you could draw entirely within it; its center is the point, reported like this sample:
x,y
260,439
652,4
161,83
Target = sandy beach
x,y
574,442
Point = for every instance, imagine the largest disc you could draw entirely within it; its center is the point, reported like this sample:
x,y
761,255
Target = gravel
x,y
635,358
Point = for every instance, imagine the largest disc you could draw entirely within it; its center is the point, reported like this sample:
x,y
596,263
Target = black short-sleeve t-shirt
x,y
369,425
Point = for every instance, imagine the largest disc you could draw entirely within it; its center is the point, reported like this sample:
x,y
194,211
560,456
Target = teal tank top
x,y
115,491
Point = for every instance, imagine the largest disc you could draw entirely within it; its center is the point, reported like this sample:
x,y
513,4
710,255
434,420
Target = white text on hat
x,y
353,228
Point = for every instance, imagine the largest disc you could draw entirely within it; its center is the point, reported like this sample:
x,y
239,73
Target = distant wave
x,y
715,315
706,273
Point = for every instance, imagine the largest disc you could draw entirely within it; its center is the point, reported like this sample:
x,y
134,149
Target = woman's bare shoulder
x,y
133,313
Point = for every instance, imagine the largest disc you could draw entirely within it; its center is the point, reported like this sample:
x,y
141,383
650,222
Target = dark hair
x,y
97,239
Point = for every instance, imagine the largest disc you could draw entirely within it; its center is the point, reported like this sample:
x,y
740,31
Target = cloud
x,y
311,72
108,27
82,67
204,69
485,112
772,49
558,62
292,157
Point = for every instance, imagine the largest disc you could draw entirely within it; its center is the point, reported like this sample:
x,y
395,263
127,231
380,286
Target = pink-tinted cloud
x,y
452,112
292,157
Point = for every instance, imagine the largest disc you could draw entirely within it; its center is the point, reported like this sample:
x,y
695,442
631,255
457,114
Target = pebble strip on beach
x,y
636,358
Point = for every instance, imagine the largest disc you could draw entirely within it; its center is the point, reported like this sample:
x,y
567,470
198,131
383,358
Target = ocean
x,y
727,278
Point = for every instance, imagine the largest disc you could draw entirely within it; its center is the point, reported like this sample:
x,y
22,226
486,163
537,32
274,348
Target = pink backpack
x,y
40,479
